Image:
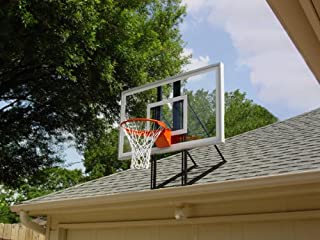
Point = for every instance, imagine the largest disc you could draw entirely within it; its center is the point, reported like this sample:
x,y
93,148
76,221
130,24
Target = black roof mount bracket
x,y
185,155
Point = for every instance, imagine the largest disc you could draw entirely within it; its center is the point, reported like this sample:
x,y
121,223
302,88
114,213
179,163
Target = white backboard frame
x,y
219,138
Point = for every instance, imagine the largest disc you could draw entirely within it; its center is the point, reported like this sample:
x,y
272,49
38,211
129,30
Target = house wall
x,y
288,212
276,230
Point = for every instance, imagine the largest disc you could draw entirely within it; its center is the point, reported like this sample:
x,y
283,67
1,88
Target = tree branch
x,y
9,105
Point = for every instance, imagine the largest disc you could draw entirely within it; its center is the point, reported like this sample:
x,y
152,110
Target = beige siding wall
x,y
269,213
278,230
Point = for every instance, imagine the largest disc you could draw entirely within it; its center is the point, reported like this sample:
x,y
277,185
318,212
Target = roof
x,y
290,146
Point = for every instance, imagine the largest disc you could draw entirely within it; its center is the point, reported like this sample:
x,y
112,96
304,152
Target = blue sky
x,y
258,56
208,45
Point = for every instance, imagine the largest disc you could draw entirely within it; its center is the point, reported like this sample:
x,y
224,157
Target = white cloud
x,y
195,63
277,71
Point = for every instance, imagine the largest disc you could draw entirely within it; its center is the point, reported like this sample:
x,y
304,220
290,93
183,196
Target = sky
x,y
258,56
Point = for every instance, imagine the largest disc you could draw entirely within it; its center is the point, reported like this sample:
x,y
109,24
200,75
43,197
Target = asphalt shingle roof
x,y
284,147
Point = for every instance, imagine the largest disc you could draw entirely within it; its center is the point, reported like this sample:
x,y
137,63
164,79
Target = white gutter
x,y
25,220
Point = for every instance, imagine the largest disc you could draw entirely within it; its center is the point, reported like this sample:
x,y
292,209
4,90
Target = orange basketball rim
x,y
162,141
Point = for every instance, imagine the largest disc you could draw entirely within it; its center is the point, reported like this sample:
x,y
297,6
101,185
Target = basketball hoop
x,y
142,134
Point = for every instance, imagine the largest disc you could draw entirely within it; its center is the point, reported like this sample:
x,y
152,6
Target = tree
x,y
6,199
42,183
241,115
101,155
49,180
63,65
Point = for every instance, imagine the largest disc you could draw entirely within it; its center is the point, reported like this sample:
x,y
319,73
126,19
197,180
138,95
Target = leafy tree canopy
x,y
41,183
63,65
6,199
243,115
101,155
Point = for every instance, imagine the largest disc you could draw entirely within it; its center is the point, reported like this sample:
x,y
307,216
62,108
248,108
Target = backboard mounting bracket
x,y
185,154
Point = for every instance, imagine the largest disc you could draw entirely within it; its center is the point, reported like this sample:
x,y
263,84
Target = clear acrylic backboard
x,y
190,104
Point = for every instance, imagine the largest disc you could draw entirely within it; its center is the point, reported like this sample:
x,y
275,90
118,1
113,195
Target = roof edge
x,y
294,20
279,180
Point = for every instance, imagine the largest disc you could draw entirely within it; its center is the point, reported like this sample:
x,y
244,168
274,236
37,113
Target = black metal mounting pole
x,y
177,106
173,178
193,161
157,110
211,169
153,172
220,154
157,115
184,168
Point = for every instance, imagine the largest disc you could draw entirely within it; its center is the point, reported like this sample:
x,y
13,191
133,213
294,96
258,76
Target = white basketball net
x,y
142,136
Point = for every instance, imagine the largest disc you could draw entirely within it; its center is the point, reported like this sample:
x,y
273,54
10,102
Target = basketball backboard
x,y
190,104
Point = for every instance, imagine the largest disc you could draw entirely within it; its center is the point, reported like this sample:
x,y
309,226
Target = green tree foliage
x,y
6,199
49,180
242,114
201,106
41,183
63,65
101,155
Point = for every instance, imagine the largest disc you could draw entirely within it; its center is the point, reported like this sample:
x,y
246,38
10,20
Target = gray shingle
x,y
284,147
